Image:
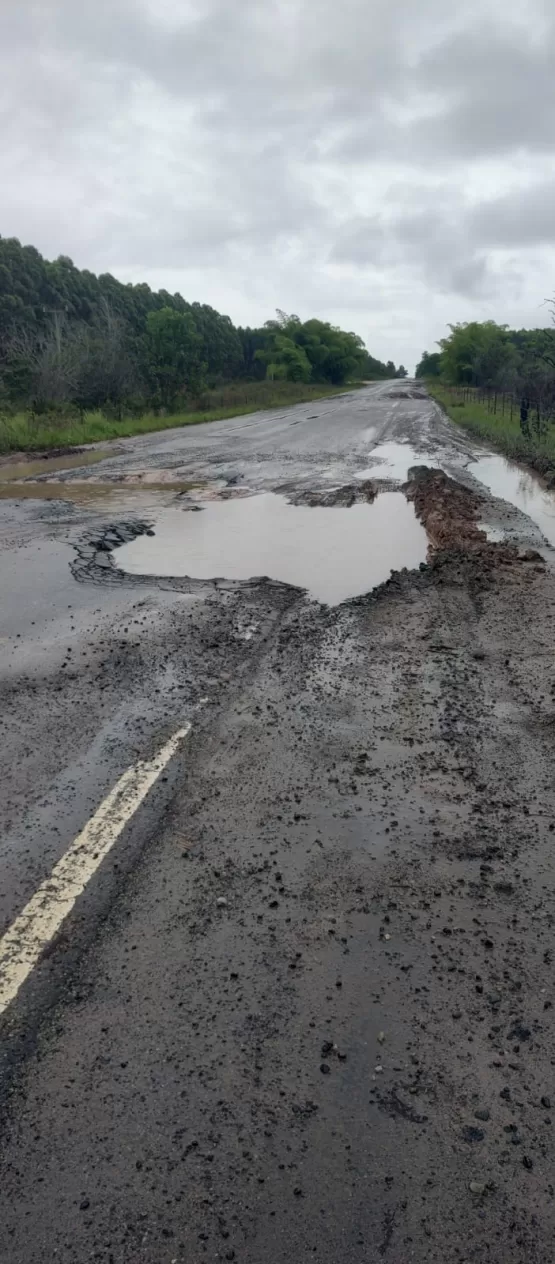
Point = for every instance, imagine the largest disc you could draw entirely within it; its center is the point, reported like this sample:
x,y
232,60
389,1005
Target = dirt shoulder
x,y
319,1022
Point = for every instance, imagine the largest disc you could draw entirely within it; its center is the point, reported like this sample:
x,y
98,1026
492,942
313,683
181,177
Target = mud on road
x,y
315,1018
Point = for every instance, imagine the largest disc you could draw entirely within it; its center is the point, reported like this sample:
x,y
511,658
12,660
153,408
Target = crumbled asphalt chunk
x,y
519,1032
472,1134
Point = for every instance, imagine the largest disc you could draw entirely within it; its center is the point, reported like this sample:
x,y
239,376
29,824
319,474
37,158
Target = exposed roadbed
x,y
307,1012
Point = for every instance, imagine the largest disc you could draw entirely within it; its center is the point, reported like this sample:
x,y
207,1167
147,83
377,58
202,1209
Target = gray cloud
x,y
344,160
432,239
497,85
525,217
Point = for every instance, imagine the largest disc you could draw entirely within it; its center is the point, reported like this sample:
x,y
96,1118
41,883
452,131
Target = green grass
x,y
500,431
22,432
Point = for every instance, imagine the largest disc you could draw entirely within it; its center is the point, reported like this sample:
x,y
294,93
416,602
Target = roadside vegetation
x,y
499,384
26,432
85,357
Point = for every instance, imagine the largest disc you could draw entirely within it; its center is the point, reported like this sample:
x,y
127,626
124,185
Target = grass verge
x,y
502,432
25,433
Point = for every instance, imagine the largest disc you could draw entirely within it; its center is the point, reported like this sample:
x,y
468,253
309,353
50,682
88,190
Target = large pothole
x,y
332,553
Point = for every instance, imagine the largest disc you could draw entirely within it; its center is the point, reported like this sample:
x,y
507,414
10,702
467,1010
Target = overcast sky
x,y
388,165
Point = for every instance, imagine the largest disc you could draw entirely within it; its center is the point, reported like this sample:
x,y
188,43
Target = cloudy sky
x,y
388,165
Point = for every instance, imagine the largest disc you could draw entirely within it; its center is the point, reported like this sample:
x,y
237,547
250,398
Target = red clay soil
x,y
450,514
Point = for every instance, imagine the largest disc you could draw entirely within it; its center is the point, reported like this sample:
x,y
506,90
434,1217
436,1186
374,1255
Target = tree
x,y
110,373
221,348
315,351
45,368
430,364
477,354
70,338
402,371
173,353
284,359
252,341
372,369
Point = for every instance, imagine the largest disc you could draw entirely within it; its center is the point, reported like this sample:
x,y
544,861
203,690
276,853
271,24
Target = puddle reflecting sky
x,y
333,553
520,488
394,460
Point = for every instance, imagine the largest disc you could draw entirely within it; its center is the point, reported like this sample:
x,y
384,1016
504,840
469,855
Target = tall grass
x,y
503,432
23,432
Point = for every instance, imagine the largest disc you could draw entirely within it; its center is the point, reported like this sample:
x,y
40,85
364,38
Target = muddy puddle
x,y
520,488
87,493
333,553
10,471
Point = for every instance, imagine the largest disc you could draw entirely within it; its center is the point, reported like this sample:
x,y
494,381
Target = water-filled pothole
x,y
392,461
88,493
520,488
10,471
333,553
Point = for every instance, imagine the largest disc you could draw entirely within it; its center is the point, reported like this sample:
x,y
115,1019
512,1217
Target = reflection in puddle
x,y
520,488
49,465
394,460
333,553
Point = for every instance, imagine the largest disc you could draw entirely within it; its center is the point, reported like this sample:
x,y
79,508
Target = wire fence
x,y
532,407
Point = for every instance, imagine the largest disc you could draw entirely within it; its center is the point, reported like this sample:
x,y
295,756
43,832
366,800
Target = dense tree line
x,y
69,338
520,362
312,351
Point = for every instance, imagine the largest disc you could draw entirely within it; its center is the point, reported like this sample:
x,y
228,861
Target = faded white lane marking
x,y
25,941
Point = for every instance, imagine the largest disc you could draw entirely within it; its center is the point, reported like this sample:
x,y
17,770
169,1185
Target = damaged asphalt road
x,y
303,1009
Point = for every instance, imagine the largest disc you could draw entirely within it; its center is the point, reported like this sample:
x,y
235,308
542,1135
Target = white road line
x,y
25,941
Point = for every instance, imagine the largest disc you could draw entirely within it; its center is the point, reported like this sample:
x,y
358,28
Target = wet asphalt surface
x,y
304,1010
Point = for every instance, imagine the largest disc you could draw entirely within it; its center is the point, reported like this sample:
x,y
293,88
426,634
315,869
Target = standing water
x,y
333,553
393,461
10,471
520,488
